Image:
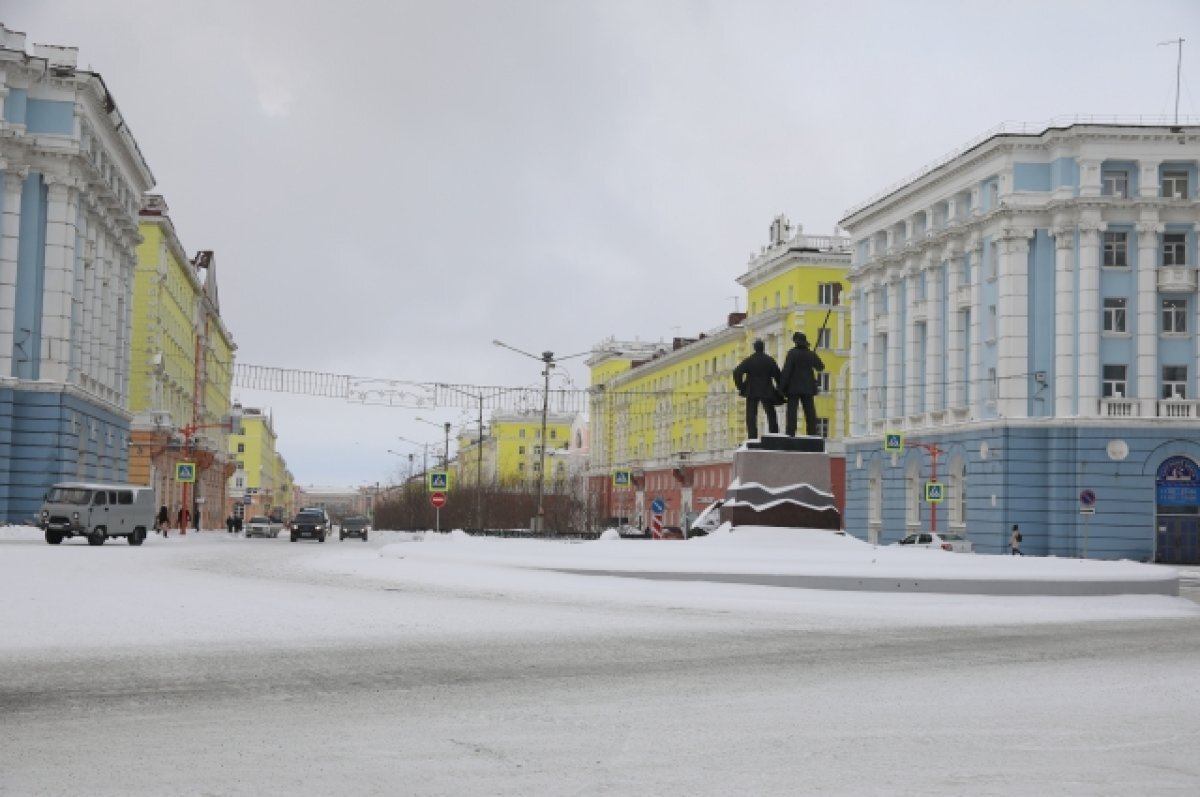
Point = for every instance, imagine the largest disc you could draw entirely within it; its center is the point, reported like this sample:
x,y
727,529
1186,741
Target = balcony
x,y
1118,408
1177,408
1177,279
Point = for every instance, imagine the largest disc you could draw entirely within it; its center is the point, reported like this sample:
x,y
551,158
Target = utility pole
x,y
1178,70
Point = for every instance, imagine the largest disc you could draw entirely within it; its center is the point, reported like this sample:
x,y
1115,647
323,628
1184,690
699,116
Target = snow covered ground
x,y
445,664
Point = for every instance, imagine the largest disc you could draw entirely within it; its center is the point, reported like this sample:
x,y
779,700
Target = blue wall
x,y
1036,474
44,436
14,106
50,116
31,279
1064,173
1031,177
1042,322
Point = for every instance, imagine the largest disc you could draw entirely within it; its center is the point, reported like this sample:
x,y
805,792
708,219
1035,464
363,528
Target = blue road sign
x,y
621,478
658,506
185,471
1087,498
439,481
934,492
893,441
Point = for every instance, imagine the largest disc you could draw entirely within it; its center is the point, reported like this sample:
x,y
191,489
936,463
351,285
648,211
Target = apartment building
x,y
1025,317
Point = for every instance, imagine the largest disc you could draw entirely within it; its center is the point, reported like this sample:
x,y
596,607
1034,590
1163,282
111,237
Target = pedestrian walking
x,y
757,380
237,523
799,383
1014,540
162,521
229,523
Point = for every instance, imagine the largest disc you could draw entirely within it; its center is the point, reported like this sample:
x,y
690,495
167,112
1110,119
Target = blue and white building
x,y
72,179
1028,307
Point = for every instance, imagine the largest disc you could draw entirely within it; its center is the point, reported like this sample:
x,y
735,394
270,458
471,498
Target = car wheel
x,y
364,536
136,537
96,538
321,538
54,537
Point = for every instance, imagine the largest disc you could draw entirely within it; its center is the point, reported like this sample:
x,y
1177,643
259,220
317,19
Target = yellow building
x,y
668,416
260,483
181,369
512,450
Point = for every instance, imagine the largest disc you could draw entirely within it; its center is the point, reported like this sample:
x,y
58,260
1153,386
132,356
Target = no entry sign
x,y
438,500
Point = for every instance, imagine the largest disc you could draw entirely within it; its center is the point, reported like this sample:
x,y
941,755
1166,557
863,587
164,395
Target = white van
x,y
97,511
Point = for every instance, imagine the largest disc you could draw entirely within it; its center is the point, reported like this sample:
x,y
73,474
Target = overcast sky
x,y
389,186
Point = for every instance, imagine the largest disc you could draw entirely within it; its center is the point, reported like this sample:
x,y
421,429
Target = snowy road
x,y
220,666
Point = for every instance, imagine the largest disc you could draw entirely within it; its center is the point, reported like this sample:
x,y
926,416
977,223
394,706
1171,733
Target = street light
x,y
548,361
446,451
424,453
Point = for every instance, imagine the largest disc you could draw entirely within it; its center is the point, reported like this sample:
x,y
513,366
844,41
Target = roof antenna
x,y
1178,66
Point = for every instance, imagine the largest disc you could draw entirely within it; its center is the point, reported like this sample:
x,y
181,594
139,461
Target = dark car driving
x,y
355,527
310,524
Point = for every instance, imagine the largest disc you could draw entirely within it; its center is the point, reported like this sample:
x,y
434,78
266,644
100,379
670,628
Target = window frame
x,y
1174,249
1177,385
1113,386
1173,316
1117,177
1114,314
1176,178
1115,250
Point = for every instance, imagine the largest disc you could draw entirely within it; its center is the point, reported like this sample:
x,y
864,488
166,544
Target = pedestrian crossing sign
x,y
935,492
622,478
439,481
893,441
185,472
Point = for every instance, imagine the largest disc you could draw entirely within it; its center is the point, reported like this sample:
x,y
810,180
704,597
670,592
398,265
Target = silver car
x,y
259,526
946,541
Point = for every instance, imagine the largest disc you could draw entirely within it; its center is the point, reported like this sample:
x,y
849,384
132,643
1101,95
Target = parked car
x,y
945,540
310,523
707,521
354,527
260,526
97,511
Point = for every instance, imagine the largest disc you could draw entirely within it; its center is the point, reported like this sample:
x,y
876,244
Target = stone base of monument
x,y
784,482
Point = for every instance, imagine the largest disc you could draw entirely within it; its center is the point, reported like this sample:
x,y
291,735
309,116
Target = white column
x,y
934,345
874,379
1012,352
1065,321
1146,356
955,355
976,377
1089,177
1088,384
10,229
1148,186
895,316
59,278
915,376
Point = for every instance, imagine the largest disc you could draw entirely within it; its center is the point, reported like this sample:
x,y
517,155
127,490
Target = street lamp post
x,y
445,427
478,455
548,361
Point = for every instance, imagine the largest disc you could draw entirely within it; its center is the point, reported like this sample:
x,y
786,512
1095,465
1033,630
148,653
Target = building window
x,y
823,427
520,467
1116,249
829,294
823,381
521,433
521,450
824,338
1114,386
1114,314
537,451
1174,249
1174,316
239,482
553,434
1175,185
241,448
1114,183
1174,381
537,467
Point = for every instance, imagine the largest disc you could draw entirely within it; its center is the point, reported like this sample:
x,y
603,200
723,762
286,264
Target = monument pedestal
x,y
784,482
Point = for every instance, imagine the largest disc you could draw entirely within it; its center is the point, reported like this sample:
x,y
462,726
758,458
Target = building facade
x,y
669,415
1027,310
73,178
181,370
259,481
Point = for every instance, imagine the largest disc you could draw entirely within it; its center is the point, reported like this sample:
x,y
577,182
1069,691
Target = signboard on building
x,y
1177,483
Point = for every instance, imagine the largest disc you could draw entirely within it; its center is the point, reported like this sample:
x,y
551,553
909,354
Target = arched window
x,y
956,492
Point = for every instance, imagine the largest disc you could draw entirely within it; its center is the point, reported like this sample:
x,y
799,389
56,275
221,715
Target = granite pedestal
x,y
784,482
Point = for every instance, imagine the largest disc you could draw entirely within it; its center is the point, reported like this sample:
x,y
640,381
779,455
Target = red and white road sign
x,y
656,525
438,500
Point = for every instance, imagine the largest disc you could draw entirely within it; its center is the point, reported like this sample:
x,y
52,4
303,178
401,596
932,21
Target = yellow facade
x,y
258,465
512,450
181,367
655,405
